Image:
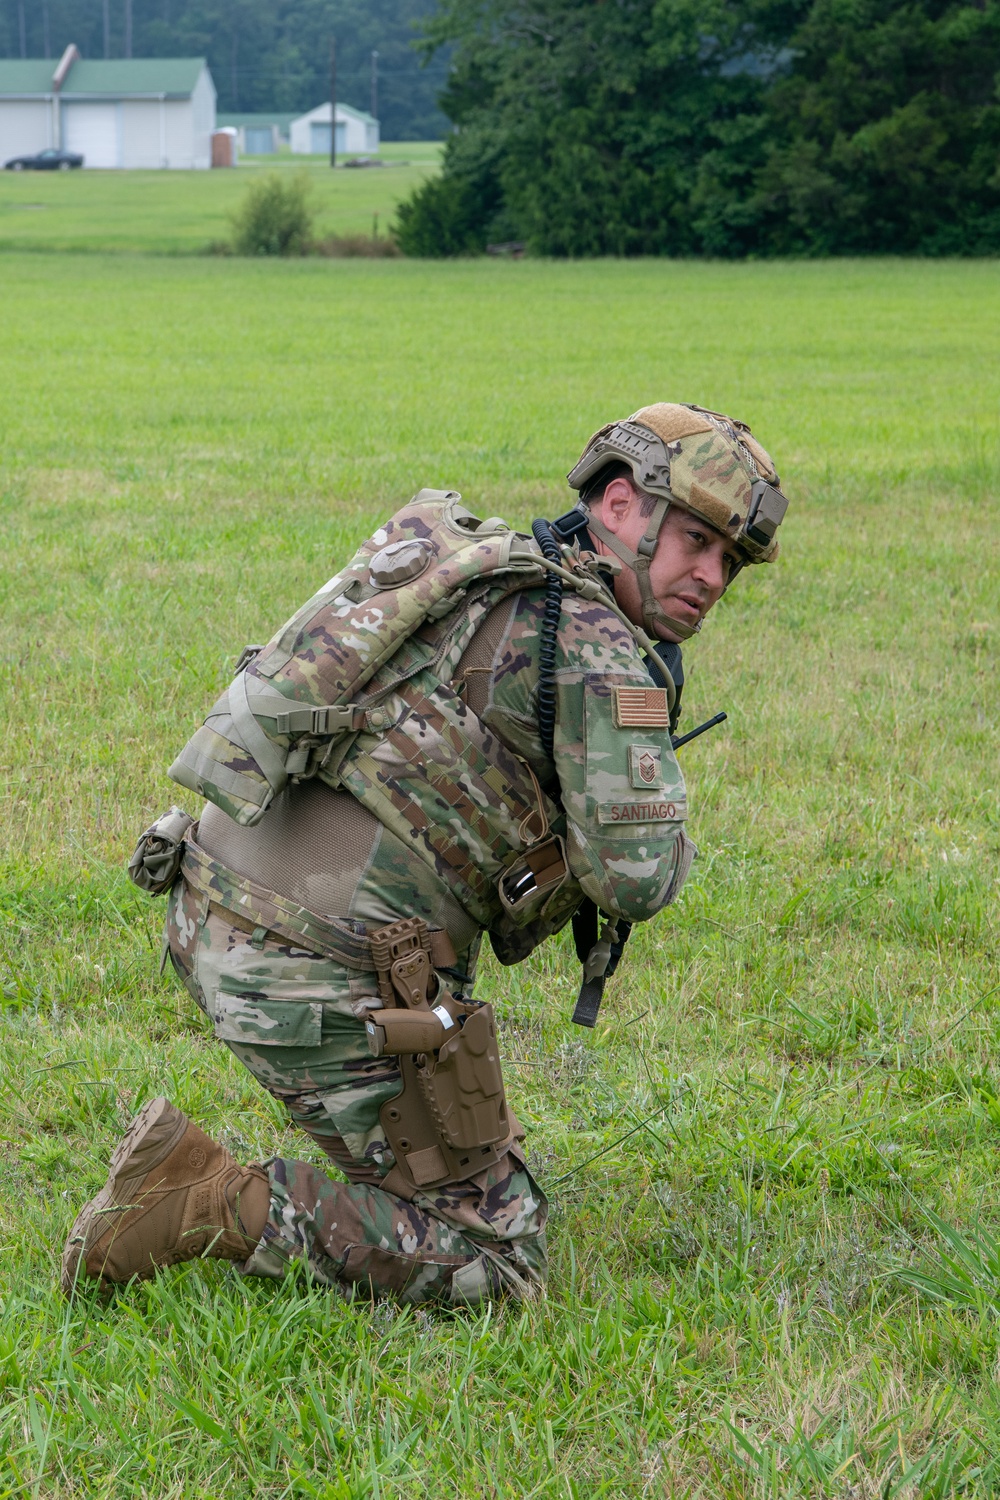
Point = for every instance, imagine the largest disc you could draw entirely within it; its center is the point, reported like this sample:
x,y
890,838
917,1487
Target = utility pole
x,y
107,28
333,101
374,85
24,35
128,28
46,43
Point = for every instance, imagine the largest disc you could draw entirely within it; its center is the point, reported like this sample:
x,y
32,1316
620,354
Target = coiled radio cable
x,y
543,534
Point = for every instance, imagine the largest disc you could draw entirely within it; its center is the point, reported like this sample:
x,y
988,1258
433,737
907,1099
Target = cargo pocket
x,y
354,1109
369,1266
265,1020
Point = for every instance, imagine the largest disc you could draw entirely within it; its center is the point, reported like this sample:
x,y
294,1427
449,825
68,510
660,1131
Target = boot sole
x,y
149,1140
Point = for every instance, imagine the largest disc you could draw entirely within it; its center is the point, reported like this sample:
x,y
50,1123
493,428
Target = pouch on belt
x,y
156,860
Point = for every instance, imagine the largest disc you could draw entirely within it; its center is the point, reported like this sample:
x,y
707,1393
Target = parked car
x,y
49,160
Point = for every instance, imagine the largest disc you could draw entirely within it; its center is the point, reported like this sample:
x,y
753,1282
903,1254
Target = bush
x,y
442,217
461,211
275,217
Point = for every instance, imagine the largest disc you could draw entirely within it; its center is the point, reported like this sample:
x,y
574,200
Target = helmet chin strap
x,y
653,613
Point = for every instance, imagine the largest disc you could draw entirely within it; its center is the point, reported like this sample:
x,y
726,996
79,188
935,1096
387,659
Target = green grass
x,y
183,213
774,1165
412,151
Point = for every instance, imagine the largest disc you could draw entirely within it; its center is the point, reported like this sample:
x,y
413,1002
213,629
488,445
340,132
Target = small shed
x,y
357,133
122,112
258,134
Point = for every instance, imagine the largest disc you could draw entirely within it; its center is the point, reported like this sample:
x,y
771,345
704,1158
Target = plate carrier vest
x,y
355,665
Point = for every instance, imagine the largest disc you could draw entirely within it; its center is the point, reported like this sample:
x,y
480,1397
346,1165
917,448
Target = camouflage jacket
x,y
458,785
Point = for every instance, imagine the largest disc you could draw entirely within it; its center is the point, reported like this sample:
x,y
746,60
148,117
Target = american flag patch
x,y
641,708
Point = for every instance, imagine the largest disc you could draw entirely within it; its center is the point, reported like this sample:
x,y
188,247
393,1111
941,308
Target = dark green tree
x,y
631,127
885,136
581,125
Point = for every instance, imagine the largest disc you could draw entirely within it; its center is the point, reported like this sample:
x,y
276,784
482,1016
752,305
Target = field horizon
x,y
773,1167
189,213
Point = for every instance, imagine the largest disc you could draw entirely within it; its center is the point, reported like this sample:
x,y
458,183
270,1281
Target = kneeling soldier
x,y
467,730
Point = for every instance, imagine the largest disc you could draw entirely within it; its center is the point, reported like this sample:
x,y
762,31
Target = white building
x,y
123,112
357,133
258,134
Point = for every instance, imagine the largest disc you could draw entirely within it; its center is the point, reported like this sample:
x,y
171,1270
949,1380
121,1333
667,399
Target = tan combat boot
x,y
172,1194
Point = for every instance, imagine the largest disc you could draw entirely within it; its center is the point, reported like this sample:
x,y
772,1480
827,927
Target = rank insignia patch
x,y
641,708
644,768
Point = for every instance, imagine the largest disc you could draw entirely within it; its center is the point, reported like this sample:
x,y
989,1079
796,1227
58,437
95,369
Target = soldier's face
x,y
690,567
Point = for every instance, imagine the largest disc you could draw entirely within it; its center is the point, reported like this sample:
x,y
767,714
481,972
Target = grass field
x,y
183,213
774,1167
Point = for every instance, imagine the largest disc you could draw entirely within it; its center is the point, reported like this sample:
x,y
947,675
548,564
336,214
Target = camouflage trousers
x,y
294,1019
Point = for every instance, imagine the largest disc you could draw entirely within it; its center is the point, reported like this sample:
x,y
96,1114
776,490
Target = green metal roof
x,y
348,109
116,77
27,75
119,76
359,114
281,120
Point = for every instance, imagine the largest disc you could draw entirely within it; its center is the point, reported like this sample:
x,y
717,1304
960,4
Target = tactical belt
x,y
253,908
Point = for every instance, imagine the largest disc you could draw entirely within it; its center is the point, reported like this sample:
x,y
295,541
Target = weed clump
x,y
355,246
275,217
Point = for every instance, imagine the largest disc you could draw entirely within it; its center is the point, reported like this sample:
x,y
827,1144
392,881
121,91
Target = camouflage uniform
x,y
371,849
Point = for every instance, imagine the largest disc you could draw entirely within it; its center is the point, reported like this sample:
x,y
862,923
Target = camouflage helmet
x,y
709,464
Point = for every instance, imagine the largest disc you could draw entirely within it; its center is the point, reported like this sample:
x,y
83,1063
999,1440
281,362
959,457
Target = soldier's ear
x,y
617,503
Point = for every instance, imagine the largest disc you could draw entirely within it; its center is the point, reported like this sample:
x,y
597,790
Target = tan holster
x,y
451,1118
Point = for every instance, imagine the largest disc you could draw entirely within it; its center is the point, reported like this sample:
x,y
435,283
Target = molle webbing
x,y
296,699
450,790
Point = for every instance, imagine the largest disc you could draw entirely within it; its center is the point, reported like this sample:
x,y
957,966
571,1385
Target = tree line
x,y
716,127
263,54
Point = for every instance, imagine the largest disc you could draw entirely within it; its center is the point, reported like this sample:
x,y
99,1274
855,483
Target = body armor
x,y
357,690
349,691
